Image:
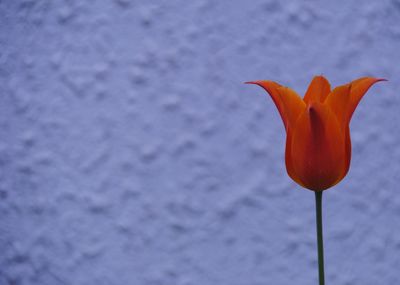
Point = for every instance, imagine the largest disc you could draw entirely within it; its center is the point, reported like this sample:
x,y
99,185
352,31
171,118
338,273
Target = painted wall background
x,y
131,152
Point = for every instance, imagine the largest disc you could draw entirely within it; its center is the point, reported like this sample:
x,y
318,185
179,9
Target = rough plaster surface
x,y
131,152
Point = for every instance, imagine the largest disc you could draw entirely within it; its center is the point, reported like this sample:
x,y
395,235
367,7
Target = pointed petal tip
x,y
321,76
381,79
256,82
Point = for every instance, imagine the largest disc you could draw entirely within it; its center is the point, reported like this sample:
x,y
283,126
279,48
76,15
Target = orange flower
x,y
318,146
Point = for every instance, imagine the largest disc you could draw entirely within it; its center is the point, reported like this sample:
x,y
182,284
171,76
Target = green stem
x,y
318,204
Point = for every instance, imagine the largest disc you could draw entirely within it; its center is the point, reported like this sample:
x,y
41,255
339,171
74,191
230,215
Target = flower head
x,y
318,145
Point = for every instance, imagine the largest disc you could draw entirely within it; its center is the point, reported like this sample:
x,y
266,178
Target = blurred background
x,y
132,153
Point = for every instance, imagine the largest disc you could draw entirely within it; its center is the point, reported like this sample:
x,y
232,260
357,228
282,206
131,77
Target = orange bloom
x,y
318,146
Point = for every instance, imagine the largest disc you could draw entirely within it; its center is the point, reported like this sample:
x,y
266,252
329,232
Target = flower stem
x,y
318,207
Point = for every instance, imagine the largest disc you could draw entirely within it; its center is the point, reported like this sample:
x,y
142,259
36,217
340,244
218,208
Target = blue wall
x,y
131,152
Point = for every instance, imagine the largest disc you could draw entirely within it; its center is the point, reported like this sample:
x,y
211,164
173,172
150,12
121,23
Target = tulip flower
x,y
318,145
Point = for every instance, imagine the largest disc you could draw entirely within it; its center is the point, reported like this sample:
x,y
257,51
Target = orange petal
x,y
347,142
287,101
338,101
318,90
317,152
272,88
344,99
358,88
289,160
292,104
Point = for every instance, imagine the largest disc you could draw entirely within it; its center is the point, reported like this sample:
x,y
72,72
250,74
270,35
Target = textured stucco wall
x,y
131,152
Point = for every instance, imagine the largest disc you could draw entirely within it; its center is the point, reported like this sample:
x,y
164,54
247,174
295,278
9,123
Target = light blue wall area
x,y
131,152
